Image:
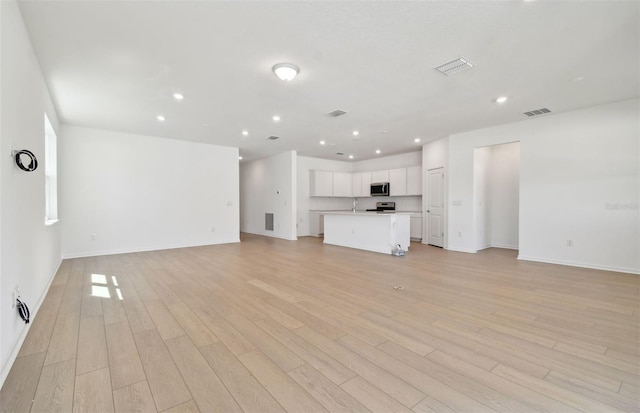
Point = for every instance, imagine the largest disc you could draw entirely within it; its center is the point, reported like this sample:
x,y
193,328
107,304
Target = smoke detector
x,y
458,65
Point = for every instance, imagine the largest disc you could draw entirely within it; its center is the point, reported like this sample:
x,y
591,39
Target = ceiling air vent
x,y
454,66
336,113
273,138
537,112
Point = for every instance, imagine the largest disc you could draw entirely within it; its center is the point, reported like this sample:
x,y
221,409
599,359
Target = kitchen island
x,y
371,231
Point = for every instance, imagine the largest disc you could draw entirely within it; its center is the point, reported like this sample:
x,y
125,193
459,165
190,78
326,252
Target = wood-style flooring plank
x,y
134,398
282,387
55,388
165,381
124,360
205,385
243,386
93,392
372,397
21,383
92,354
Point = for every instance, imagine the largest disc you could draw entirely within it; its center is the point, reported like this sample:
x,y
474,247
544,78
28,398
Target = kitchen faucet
x,y
355,202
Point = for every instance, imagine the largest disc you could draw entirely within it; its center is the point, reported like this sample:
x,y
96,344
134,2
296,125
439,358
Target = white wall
x,y
29,250
137,193
269,186
404,160
481,197
504,195
579,181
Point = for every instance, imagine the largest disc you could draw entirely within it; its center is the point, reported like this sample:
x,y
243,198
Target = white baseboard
x,y
67,255
507,247
468,250
33,313
581,264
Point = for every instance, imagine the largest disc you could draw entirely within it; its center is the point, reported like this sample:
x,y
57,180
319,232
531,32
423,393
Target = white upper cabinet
x,y
320,183
380,176
361,184
414,180
398,182
342,184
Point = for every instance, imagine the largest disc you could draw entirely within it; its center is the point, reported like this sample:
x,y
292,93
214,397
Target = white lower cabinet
x,y
316,223
415,228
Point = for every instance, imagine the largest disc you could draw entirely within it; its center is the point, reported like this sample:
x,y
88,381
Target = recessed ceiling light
x,y
178,96
356,133
239,157
285,71
378,151
350,156
245,132
160,118
416,140
205,125
577,79
322,142
501,99
276,118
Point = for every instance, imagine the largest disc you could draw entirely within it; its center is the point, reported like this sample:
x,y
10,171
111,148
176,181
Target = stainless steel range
x,y
384,207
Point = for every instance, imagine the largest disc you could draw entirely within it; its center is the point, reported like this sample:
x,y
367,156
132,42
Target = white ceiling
x,y
115,65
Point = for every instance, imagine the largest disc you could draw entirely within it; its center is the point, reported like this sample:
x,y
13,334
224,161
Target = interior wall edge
x,y
635,271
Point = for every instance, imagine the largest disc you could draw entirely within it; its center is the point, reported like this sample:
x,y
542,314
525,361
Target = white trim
x,y
67,255
34,312
507,247
581,265
468,250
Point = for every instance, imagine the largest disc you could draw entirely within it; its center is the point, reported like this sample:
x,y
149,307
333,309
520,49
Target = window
x,y
50,173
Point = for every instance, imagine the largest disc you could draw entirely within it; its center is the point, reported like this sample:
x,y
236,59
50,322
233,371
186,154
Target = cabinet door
x,y
342,184
366,184
414,180
416,228
380,176
320,183
398,182
356,184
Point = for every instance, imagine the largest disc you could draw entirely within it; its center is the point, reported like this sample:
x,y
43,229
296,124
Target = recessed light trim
x,y
378,151
502,99
350,156
245,133
276,118
178,96
240,158
323,142
161,118
416,140
355,133
286,71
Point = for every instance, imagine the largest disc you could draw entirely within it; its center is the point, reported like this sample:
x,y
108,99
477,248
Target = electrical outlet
x,y
569,243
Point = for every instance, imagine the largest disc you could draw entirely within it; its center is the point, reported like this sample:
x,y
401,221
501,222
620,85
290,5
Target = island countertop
x,y
368,230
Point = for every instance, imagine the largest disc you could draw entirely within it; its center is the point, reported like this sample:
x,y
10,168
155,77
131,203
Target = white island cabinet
x,y
369,231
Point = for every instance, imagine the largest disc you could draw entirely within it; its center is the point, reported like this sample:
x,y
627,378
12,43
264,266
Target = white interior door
x,y
435,207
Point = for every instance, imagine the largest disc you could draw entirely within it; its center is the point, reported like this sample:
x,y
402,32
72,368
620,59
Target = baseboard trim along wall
x,y
635,271
33,314
67,255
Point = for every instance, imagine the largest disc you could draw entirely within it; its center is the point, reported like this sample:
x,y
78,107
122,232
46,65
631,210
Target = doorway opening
x,y
496,196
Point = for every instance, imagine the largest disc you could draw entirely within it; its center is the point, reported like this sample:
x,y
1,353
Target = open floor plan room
x,y
269,325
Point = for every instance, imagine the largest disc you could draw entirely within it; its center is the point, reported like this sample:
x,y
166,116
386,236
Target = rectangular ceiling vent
x,y
273,138
454,66
537,112
336,113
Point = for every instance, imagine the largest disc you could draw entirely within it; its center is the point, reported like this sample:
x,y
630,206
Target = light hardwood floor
x,y
269,325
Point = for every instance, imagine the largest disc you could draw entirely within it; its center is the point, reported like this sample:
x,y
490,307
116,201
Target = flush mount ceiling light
x,y
501,99
285,71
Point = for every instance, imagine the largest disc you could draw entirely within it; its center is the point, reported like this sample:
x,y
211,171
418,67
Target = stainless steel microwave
x,y
380,189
